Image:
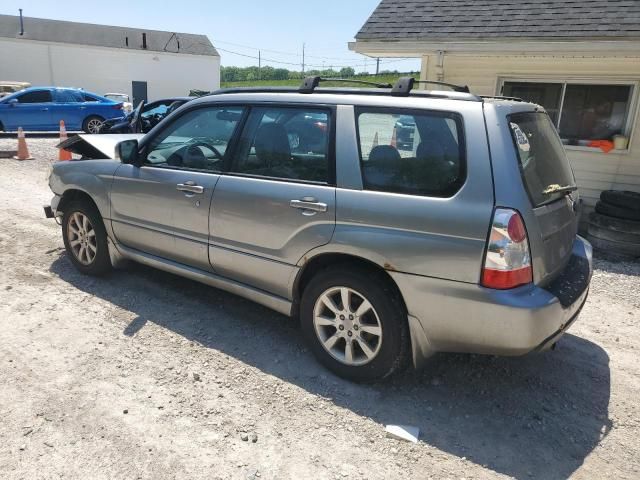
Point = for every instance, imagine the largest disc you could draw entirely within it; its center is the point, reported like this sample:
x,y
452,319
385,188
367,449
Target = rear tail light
x,y
508,261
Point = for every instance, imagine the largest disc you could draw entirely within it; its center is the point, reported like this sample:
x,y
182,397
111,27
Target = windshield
x,y
544,165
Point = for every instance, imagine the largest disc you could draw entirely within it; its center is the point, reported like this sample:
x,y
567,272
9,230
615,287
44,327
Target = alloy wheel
x,y
347,326
82,238
94,125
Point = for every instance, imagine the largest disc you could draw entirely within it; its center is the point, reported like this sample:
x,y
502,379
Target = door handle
x,y
309,204
190,187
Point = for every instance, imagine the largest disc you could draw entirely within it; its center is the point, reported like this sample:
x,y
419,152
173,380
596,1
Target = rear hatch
x,y
551,187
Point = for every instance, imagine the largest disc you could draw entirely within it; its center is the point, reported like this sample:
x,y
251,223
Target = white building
x,y
146,64
580,60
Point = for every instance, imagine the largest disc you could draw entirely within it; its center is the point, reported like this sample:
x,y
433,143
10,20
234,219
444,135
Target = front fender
x,y
92,177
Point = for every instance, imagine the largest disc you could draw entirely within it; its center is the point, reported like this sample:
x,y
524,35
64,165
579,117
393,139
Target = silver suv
x,y
462,240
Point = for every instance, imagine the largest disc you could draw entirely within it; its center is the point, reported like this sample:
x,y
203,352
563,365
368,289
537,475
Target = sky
x,y
276,27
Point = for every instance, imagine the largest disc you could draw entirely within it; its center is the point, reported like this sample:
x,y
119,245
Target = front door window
x,y
197,140
285,143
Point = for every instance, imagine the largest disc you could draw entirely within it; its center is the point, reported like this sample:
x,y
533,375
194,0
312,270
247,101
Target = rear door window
x,y
411,152
543,162
68,96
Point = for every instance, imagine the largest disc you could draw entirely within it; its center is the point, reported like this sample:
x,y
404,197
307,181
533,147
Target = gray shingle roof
x,y
492,19
104,35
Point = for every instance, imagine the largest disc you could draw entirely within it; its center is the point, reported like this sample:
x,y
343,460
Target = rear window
x,y
411,152
68,96
542,158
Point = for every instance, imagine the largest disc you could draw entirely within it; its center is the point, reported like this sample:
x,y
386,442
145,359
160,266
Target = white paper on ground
x,y
403,432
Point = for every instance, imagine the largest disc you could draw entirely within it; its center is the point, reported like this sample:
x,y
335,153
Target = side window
x,y
196,140
68,96
159,109
288,143
38,96
89,98
414,153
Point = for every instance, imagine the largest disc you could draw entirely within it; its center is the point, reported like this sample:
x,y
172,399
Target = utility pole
x,y
259,65
377,65
303,59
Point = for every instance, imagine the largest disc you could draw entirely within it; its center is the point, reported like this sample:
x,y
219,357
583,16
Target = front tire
x,y
355,323
85,238
92,124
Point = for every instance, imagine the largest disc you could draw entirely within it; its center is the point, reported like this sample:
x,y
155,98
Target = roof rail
x,y
404,85
309,84
501,97
381,90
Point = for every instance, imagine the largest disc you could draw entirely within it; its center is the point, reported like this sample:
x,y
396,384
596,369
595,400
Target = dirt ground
x,y
146,375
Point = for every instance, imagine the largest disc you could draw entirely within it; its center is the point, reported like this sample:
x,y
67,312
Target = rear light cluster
x,y
508,261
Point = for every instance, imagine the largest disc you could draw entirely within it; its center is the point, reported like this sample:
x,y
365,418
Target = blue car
x,y
42,108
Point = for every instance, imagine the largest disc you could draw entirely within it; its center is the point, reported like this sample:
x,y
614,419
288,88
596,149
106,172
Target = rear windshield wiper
x,y
555,188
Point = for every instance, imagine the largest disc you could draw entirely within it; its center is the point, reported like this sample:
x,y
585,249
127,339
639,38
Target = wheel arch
x,y
325,260
74,194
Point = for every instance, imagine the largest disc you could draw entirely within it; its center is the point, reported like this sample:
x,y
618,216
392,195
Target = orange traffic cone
x,y
63,154
375,141
394,138
23,150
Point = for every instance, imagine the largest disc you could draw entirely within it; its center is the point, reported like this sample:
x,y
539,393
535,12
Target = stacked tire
x,y
614,227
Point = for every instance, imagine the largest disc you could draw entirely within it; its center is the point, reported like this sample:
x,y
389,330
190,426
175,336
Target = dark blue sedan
x,y
42,108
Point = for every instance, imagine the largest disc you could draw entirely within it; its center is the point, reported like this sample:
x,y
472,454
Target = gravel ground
x,y
146,375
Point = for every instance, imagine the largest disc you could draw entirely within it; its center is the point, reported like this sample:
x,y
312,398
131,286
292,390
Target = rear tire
x,y
623,199
85,238
92,124
617,212
617,224
614,235
369,343
615,248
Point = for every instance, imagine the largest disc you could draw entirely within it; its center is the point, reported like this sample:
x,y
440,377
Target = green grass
x,y
295,82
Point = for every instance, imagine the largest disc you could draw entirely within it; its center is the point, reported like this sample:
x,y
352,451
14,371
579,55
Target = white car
x,y
127,106
7,88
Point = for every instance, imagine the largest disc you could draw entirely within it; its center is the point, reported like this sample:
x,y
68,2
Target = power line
x,y
305,65
352,64
280,52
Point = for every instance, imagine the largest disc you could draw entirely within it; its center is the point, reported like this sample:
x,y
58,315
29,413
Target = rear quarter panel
x,y
436,237
104,110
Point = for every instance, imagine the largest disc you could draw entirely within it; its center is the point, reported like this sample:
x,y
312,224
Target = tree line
x,y
241,74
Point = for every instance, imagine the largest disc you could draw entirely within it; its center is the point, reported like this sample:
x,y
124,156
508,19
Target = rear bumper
x,y
450,316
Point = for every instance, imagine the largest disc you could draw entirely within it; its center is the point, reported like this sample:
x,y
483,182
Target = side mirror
x,y
127,152
12,102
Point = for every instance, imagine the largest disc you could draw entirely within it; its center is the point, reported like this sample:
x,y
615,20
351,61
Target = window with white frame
x,y
582,112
